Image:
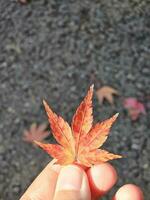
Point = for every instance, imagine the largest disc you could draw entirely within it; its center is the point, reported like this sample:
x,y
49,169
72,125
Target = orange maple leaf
x,y
80,142
106,92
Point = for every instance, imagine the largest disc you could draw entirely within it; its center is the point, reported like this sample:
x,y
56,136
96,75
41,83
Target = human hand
x,y
73,183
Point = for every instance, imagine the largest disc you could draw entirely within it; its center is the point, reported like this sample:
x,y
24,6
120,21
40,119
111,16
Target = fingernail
x,y
70,178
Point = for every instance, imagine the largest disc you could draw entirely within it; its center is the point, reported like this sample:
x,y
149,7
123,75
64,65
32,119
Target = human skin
x,y
73,183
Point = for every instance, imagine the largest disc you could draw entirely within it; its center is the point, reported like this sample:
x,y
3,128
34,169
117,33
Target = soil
x,y
50,49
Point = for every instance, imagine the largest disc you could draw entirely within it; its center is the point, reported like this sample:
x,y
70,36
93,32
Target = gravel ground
x,y
48,50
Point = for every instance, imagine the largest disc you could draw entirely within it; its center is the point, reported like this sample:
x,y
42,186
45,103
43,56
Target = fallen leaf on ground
x,y
23,1
106,93
148,105
148,102
134,107
35,132
13,47
80,142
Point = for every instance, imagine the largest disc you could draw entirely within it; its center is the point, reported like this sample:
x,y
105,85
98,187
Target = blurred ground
x,y
47,51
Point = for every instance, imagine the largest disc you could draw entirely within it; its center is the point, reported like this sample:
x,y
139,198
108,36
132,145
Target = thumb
x,y
72,184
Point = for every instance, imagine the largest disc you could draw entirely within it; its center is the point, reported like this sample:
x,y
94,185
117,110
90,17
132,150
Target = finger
x,y
101,179
72,184
44,185
129,191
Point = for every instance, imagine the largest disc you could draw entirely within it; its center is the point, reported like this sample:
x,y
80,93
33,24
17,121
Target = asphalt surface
x,y
50,50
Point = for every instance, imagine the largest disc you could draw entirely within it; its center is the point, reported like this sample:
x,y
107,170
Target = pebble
x,y
2,148
135,146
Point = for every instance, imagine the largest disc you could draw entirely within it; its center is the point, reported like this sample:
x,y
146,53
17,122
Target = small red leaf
x,y
23,1
134,107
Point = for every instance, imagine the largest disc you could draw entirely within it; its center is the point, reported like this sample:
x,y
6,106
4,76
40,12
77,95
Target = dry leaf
x,y
13,47
35,132
134,107
106,93
79,143
23,1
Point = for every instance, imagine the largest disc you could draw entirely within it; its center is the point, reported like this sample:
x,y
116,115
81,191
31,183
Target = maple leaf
x,y
134,107
35,133
23,1
106,92
80,142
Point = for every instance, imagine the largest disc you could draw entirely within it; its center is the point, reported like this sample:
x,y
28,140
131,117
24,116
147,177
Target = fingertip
x,y
129,191
72,183
101,178
70,178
